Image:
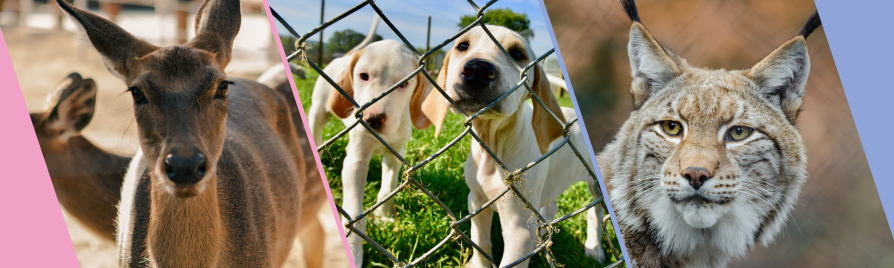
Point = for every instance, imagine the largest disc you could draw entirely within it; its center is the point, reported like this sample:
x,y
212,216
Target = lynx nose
x,y
478,73
696,176
185,170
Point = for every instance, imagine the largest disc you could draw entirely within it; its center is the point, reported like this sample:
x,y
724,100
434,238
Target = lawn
x,y
420,223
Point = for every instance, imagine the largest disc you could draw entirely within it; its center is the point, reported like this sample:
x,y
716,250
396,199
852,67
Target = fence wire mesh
x,y
545,228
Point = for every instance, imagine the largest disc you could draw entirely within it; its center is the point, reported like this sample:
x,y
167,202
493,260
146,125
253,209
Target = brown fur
x,y
338,104
245,210
87,179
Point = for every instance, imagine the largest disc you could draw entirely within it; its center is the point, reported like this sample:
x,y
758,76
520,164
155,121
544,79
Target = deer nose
x,y
478,73
696,176
185,170
375,121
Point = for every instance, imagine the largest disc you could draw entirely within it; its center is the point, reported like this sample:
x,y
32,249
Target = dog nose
x,y
375,121
478,73
696,176
185,170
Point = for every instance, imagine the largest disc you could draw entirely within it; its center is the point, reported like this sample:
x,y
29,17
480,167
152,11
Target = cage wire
x,y
545,229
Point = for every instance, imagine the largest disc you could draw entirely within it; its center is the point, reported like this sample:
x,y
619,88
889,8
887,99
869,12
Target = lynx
x,y
709,163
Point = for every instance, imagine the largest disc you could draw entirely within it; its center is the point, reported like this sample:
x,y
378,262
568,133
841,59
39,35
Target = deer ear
x,y
435,106
423,87
338,103
546,129
782,75
651,65
71,106
217,24
120,50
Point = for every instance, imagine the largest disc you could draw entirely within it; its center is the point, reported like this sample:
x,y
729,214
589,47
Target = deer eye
x,y
222,89
517,55
462,46
738,133
672,128
138,97
364,76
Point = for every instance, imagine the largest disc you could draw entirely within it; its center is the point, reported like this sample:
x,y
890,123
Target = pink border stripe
x,y
32,230
313,144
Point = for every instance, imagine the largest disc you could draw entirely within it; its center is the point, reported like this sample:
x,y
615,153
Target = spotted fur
x,y
667,219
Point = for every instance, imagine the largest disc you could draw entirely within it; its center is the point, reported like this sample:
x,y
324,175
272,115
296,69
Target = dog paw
x,y
384,215
595,252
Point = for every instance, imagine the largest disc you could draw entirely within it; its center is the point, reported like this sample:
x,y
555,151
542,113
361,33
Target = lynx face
x,y
710,162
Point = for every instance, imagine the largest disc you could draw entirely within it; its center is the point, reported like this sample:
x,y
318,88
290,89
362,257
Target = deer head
x,y
179,92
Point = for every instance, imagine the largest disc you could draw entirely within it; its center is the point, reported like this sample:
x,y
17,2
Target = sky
x,y
410,17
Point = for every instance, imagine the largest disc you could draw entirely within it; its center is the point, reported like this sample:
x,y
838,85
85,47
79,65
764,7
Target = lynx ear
x,y
781,76
338,103
651,65
120,50
435,106
546,129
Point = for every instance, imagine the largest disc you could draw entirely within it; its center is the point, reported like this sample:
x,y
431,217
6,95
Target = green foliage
x,y
505,17
420,223
344,40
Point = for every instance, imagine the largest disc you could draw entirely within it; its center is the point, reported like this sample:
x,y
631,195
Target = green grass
x,y
420,224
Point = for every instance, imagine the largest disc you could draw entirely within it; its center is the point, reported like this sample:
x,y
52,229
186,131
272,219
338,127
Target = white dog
x,y
475,73
366,73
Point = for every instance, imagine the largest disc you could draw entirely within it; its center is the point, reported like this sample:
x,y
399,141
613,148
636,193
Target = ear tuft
x,y
652,67
782,76
812,23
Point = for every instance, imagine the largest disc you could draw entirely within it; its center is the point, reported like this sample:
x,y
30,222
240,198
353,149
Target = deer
x,y
220,175
86,178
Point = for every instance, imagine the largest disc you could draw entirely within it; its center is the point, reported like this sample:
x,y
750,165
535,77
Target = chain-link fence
x,y
545,229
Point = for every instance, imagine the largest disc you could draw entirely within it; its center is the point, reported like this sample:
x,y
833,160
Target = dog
x,y
475,73
366,73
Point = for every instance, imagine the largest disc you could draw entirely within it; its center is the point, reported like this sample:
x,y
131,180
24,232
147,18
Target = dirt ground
x,y
42,57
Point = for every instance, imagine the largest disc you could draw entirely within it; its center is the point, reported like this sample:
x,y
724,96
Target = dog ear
x,y
217,24
71,106
651,65
546,129
782,75
121,51
338,103
423,87
435,106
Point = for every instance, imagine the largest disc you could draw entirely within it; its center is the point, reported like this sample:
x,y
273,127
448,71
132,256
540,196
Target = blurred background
x,y
838,220
45,48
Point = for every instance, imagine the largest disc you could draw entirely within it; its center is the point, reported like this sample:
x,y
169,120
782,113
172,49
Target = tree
x,y
505,17
342,41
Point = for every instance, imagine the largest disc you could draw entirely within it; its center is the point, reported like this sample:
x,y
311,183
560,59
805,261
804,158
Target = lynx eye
x,y
738,133
672,128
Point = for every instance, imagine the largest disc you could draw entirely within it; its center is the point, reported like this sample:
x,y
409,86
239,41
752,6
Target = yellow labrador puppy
x,y
475,74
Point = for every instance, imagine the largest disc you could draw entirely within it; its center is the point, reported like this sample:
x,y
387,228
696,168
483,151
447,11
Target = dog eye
x,y
738,133
463,46
404,84
364,76
222,89
517,54
138,97
672,128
